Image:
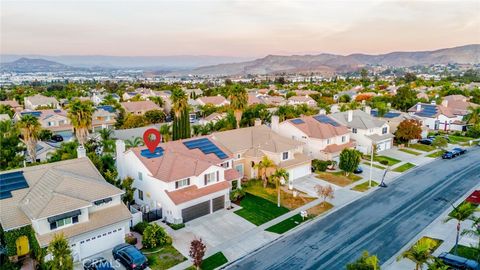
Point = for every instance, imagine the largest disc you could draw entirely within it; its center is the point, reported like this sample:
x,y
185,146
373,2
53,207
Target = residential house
x,y
139,107
366,130
103,117
212,118
273,100
253,99
324,137
186,179
305,92
13,104
36,101
297,100
68,197
438,117
98,97
56,121
394,118
249,145
458,104
216,101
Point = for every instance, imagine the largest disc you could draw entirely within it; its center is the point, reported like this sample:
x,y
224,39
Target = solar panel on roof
x,y
36,114
57,111
157,153
10,182
326,120
297,121
206,146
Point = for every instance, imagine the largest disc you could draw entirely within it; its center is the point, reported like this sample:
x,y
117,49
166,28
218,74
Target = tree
x,y
6,109
135,121
108,144
80,114
155,116
473,116
349,160
165,131
407,130
45,135
67,150
154,236
263,166
409,77
365,262
10,146
181,120
127,186
277,177
325,192
197,251
461,213
344,98
238,101
474,232
405,98
61,253
440,142
419,253
134,142
30,129
158,100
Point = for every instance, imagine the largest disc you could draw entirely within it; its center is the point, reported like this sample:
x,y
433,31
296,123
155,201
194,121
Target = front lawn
x,y
437,242
319,209
374,165
212,262
391,161
163,258
422,147
404,167
287,200
364,186
338,178
258,210
436,154
408,151
466,252
459,139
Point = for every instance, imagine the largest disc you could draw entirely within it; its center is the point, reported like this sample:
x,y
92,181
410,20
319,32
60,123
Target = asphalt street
x,y
381,223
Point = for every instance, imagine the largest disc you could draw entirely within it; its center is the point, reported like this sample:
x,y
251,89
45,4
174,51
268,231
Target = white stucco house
x,y
438,117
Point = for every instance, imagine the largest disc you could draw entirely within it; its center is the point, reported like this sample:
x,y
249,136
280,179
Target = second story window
x,y
384,130
140,176
328,141
182,183
211,177
284,155
225,165
140,194
354,130
344,138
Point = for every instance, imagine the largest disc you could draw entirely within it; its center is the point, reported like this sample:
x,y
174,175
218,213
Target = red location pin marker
x,y
147,139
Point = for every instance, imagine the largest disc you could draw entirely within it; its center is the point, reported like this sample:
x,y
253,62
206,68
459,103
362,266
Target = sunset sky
x,y
234,28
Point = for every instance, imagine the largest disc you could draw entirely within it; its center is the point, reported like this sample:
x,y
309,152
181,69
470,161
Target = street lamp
x,y
371,166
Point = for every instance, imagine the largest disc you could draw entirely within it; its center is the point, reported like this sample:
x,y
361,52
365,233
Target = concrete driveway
x,y
107,254
214,229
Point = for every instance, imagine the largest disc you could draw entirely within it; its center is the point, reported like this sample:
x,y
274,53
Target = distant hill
x,y
329,64
34,65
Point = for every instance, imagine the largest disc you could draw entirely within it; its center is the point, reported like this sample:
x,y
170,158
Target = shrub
x,y
384,162
320,165
140,227
155,236
237,194
176,226
130,239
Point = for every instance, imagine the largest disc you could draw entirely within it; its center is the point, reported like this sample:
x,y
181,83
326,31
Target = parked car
x,y
458,262
98,263
358,170
130,257
448,155
459,150
426,141
57,138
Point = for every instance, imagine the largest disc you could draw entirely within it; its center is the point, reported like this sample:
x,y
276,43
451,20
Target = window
x,y
63,222
354,130
328,141
210,177
285,155
225,165
182,183
140,176
140,194
50,124
384,130
344,138
239,155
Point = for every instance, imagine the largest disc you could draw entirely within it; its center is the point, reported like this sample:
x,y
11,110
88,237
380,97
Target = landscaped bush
x,y
140,227
384,162
155,236
176,226
130,239
320,165
237,194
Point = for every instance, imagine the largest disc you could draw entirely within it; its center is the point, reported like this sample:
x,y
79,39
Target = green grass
x,y
459,139
164,258
422,147
408,151
286,225
391,161
258,210
466,252
374,165
176,226
364,186
437,242
473,207
404,167
214,261
436,154
351,176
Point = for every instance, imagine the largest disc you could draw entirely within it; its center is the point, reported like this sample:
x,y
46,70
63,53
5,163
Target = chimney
x,y
275,122
81,152
368,110
322,111
419,107
349,116
258,122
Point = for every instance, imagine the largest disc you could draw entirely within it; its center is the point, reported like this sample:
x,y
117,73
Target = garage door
x,y
218,203
299,171
196,211
101,242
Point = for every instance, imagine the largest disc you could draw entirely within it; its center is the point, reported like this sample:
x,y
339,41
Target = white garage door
x,y
101,242
299,171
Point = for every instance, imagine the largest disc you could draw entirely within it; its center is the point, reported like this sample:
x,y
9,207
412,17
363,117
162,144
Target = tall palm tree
x,y
475,232
80,114
420,253
107,142
238,101
135,142
179,101
263,166
277,177
460,213
165,131
181,122
30,129
473,116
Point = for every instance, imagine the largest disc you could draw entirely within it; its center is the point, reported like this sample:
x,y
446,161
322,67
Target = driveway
x,y
307,184
214,229
107,254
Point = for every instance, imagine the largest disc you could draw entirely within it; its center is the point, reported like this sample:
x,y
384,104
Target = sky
x,y
248,28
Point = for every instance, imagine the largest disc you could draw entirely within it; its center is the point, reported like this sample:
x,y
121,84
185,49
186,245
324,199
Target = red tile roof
x,y
193,192
232,174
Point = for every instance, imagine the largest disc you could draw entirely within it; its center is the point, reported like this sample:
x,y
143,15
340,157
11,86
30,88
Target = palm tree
x,y
135,142
475,232
460,213
80,113
30,129
181,122
277,177
107,142
166,133
61,253
263,166
420,253
473,117
179,101
238,101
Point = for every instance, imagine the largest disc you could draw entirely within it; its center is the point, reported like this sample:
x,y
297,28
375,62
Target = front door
x,y
23,247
